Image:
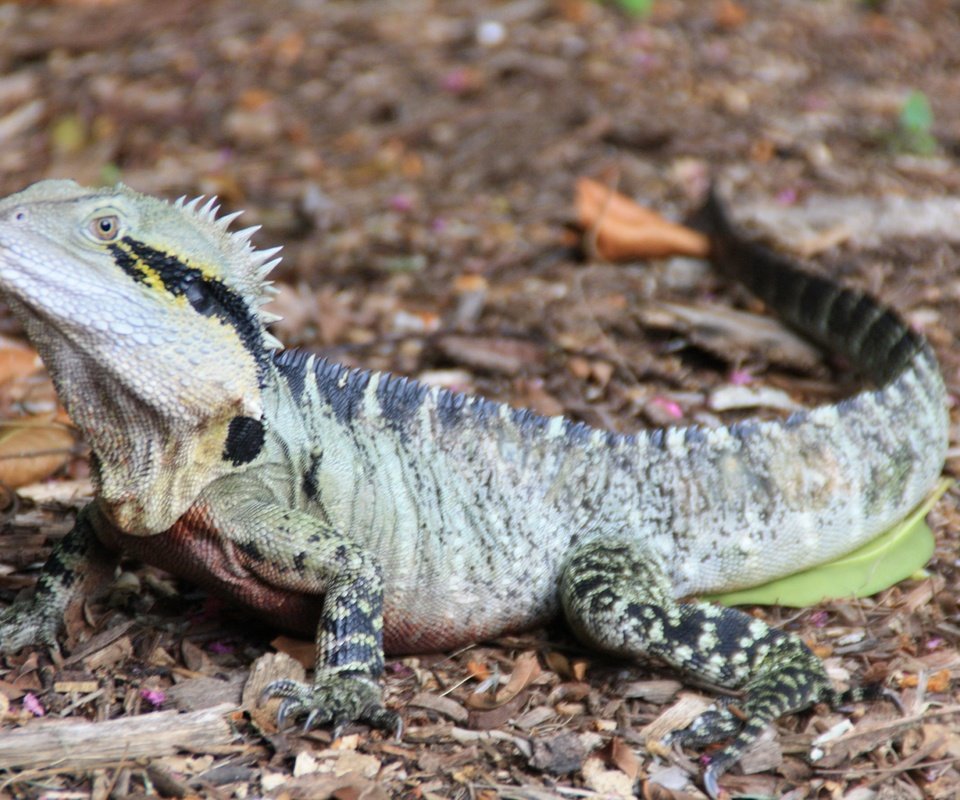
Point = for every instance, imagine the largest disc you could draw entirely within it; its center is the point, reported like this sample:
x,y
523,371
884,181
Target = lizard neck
x,y
150,462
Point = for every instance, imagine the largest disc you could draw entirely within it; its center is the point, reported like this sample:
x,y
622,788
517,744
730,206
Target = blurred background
x,y
418,161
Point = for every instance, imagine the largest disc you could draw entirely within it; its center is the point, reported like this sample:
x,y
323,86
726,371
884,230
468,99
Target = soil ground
x,y
417,160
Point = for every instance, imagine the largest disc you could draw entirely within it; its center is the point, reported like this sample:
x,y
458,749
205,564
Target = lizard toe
x,y
713,725
333,700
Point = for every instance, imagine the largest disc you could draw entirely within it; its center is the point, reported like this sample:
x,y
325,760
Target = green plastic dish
x,y
894,555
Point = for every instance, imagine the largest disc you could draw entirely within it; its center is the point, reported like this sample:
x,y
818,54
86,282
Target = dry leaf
x,y
446,706
493,353
33,449
732,335
17,360
299,649
625,230
620,755
478,670
525,671
728,14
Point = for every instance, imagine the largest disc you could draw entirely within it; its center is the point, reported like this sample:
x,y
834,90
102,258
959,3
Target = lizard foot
x,y
333,699
716,723
28,622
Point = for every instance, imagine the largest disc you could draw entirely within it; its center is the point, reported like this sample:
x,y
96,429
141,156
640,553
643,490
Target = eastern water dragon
x,y
381,514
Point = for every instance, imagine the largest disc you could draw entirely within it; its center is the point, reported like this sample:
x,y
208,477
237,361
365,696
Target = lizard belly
x,y
429,616
193,549
429,621
446,597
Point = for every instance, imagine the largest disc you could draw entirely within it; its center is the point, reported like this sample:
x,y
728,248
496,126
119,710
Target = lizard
x,y
381,514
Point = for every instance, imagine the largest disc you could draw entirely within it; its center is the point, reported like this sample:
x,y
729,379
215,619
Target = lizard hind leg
x,y
616,596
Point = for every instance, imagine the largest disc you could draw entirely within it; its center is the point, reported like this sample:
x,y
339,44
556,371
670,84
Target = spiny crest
x,y
247,267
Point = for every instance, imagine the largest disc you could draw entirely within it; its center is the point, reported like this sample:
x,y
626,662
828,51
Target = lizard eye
x,y
106,228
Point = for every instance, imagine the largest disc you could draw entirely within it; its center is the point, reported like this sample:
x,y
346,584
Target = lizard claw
x,y
710,782
333,699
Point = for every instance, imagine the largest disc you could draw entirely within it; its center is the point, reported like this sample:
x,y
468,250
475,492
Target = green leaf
x,y
636,8
916,113
913,126
894,555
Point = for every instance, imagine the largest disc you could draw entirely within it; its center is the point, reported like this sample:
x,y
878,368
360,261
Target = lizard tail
x,y
877,341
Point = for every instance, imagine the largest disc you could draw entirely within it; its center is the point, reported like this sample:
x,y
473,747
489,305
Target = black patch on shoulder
x,y
342,387
245,438
400,398
299,560
292,365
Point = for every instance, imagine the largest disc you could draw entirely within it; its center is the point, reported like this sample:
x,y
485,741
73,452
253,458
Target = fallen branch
x,y
88,745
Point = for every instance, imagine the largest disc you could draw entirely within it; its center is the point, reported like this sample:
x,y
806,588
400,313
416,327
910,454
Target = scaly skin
x,y
380,513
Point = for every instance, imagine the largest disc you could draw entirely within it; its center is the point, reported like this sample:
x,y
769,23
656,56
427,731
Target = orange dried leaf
x,y
17,361
624,230
729,14
478,670
623,758
525,671
558,662
33,449
909,682
299,649
939,681
580,669
470,282
595,200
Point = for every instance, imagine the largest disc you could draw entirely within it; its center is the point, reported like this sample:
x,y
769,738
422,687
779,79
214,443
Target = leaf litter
x,y
420,175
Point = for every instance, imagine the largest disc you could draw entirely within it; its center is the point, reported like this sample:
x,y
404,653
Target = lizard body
x,y
381,513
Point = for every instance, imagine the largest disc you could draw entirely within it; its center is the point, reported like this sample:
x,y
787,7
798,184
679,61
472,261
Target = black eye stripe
x,y
207,296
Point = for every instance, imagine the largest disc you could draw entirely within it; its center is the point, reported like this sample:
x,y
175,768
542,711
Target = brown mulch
x,y
418,161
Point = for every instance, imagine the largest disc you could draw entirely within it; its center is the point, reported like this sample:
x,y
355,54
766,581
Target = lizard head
x,y
148,316
161,297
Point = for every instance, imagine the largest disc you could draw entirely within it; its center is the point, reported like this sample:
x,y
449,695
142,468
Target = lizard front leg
x,y
616,595
77,565
295,551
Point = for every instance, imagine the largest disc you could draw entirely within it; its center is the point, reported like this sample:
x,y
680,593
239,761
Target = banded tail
x,y
847,321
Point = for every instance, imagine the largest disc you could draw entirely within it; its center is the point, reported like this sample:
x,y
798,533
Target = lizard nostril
x,y
20,216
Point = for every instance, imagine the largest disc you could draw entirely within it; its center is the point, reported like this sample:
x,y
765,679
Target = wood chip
x,y
197,693
687,708
266,669
558,755
444,706
80,687
654,691
734,336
